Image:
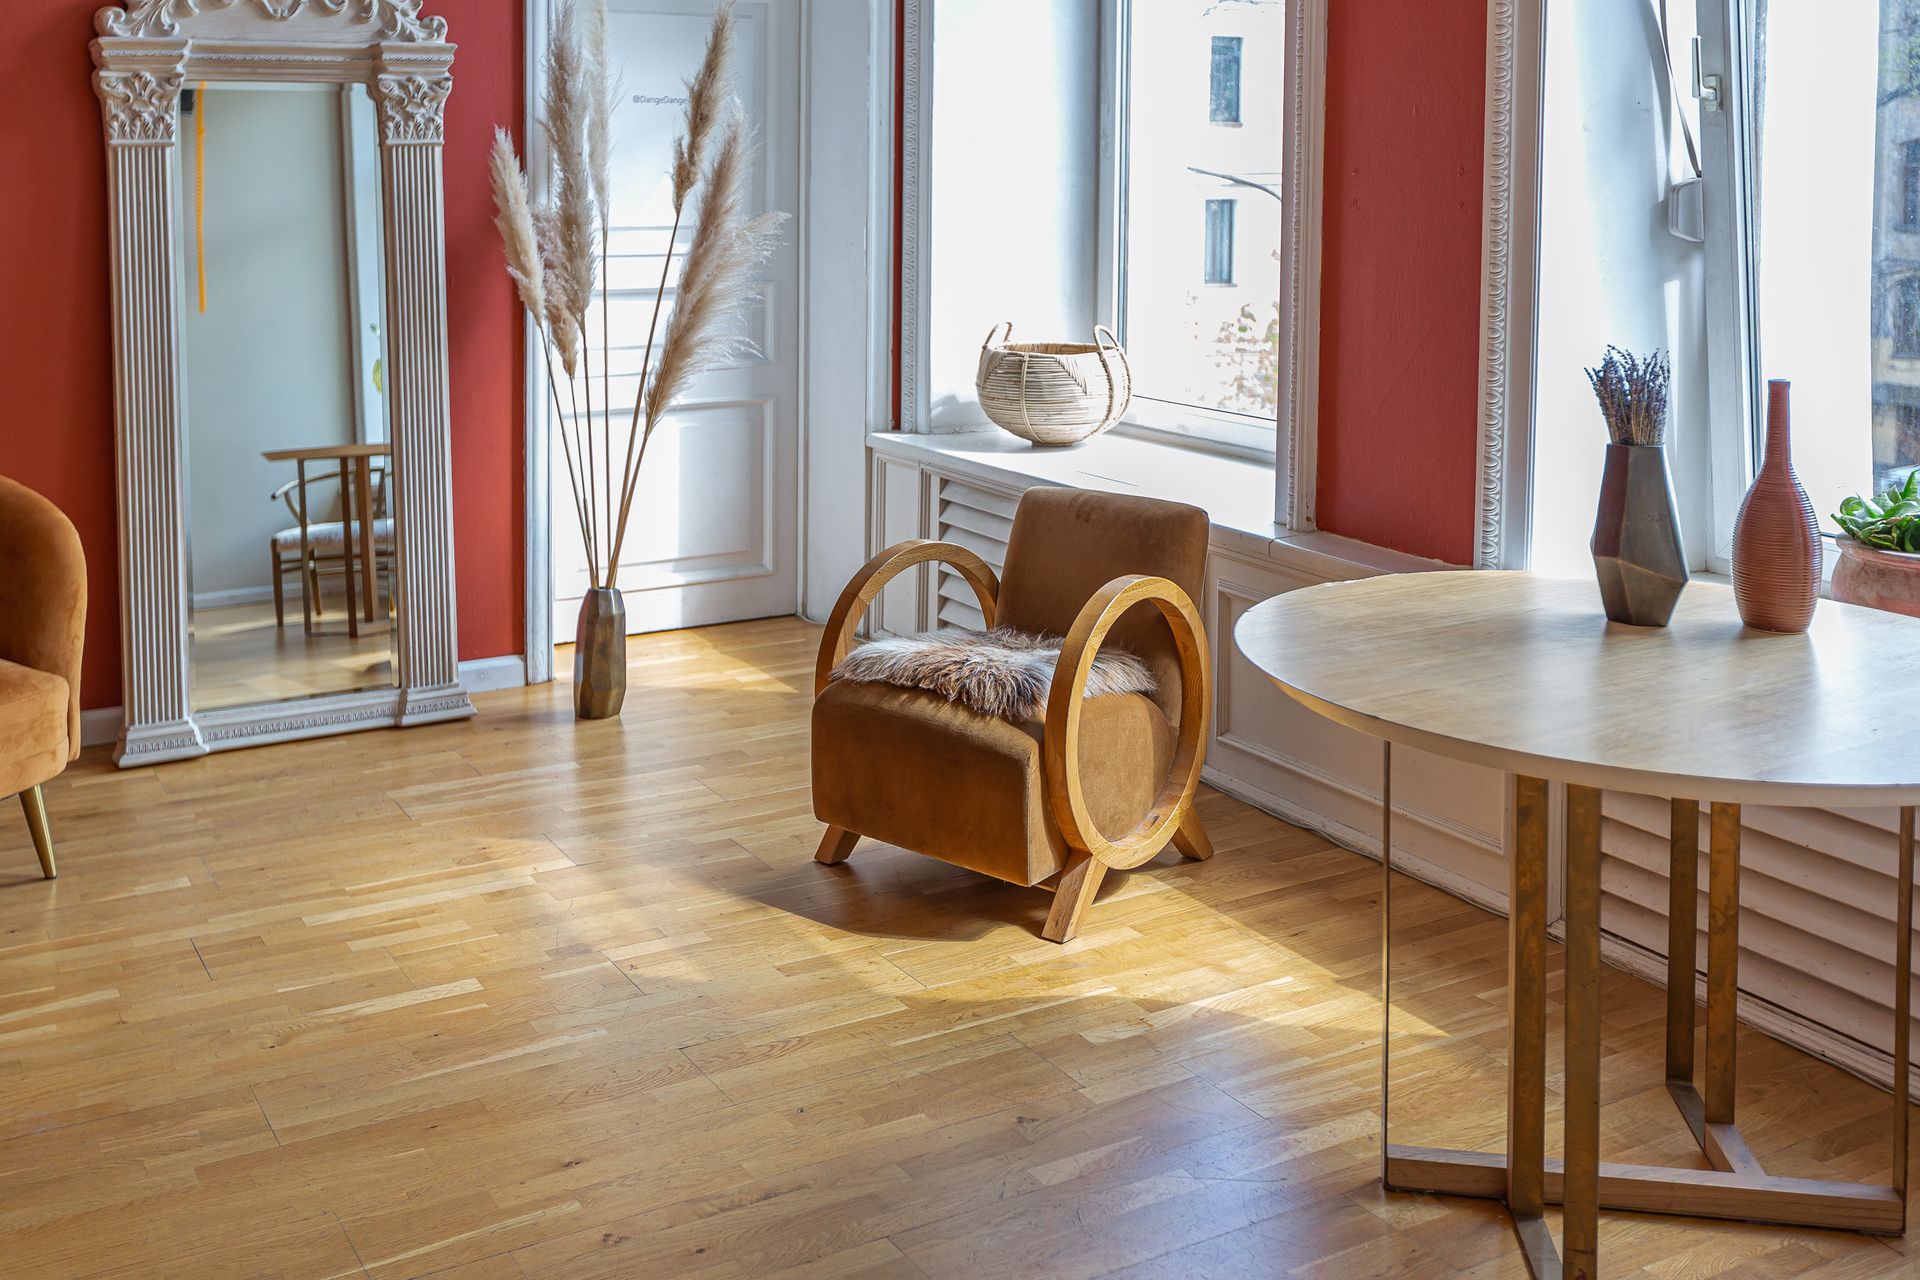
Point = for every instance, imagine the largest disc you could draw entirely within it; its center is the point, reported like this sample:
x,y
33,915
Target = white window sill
x,y
1236,493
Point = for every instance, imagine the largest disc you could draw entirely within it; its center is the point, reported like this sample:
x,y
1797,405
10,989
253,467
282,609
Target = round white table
x,y
1525,674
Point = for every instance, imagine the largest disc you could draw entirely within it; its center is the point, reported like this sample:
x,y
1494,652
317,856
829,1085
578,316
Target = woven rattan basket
x,y
1054,393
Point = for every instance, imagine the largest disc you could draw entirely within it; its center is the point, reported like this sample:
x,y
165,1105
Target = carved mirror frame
x,y
145,52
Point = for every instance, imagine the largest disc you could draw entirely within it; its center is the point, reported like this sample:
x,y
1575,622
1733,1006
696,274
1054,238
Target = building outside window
x,y
1223,106
1910,186
1193,276
1219,266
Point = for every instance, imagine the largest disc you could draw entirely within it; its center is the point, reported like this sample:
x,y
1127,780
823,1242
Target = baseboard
x,y
101,726
484,675
235,596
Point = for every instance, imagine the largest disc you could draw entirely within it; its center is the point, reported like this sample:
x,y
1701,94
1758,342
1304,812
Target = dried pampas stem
x,y
707,95
551,256
513,215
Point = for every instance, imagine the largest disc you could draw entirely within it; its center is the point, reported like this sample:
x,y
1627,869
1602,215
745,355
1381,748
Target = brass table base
x,y
1735,1187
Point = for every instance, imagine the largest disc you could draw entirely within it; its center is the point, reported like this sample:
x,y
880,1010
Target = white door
x,y
715,516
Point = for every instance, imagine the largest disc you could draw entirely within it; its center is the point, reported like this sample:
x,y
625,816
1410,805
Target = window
x,y
1905,320
1219,268
1910,186
1223,103
1827,293
1193,213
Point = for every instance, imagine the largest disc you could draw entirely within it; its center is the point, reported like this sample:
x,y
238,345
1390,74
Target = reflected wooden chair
x,y
43,619
313,547
1096,784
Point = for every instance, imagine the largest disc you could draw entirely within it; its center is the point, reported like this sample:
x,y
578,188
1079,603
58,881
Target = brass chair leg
x,y
36,806
1071,896
1190,838
835,846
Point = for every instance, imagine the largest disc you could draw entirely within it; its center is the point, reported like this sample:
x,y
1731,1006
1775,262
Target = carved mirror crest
x,y
392,65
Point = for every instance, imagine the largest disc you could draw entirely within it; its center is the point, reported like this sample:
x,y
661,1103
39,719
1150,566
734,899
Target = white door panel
x,y
715,515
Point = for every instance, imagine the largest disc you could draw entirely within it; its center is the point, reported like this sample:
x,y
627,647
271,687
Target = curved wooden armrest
x,y
1061,744
866,584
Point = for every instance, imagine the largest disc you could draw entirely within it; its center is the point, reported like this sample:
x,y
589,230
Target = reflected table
x,y
356,503
1524,674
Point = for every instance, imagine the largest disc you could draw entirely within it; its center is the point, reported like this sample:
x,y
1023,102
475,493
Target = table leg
x,y
369,545
1582,1188
1527,1013
1902,1010
1723,961
1386,950
1683,914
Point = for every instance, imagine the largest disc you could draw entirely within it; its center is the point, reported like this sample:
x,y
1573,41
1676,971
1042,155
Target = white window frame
x,y
1510,273
1733,384
1292,440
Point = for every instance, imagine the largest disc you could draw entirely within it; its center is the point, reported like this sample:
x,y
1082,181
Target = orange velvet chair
x,y
43,615
1096,784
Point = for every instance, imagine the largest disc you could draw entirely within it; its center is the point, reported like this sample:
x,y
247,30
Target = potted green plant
x,y
1880,549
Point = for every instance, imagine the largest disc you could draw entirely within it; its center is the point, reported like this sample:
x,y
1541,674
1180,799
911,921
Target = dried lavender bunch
x,y
1632,392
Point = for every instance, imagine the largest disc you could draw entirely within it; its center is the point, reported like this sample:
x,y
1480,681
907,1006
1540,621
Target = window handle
x,y
1705,88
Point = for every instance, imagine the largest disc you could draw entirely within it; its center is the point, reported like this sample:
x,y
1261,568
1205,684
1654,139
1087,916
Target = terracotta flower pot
x,y
1879,579
1776,541
600,655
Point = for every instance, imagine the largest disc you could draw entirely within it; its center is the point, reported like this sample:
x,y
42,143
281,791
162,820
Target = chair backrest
x,y
1068,543
43,592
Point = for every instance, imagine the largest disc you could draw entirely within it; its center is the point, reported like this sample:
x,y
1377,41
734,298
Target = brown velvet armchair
x,y
43,615
1096,784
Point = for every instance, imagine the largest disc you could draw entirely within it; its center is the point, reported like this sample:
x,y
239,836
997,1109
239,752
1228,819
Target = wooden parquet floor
x,y
523,998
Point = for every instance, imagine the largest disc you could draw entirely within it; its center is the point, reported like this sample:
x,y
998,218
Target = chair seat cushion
x,y
33,727
913,769
1001,672
329,538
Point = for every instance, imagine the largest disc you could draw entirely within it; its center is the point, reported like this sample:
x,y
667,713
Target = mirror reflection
x,y
289,477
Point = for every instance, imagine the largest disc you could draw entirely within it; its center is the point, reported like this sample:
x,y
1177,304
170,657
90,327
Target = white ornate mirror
x,y
280,368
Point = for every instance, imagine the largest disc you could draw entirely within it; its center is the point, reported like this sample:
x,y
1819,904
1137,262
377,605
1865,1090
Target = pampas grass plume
x,y
514,217
707,95
717,280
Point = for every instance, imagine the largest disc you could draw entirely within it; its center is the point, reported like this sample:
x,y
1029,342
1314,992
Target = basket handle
x,y
988,340
1103,342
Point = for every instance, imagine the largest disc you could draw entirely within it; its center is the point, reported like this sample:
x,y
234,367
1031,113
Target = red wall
x,y
56,427
1400,274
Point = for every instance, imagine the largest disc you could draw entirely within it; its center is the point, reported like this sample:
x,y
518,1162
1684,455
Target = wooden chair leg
x,y
279,588
309,594
36,806
1077,885
835,846
1190,838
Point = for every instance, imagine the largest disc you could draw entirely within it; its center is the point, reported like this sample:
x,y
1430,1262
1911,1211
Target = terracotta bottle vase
x,y
600,655
1776,541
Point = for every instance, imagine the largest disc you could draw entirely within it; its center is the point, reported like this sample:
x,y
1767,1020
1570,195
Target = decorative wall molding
x,y
916,128
412,107
1509,277
145,53
162,19
139,106
1297,427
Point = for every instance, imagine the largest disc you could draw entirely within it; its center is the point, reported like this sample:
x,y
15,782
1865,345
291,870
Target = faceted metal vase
x,y
600,655
1637,553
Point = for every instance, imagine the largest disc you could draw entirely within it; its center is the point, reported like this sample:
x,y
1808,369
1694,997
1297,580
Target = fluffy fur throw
x,y
1001,672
